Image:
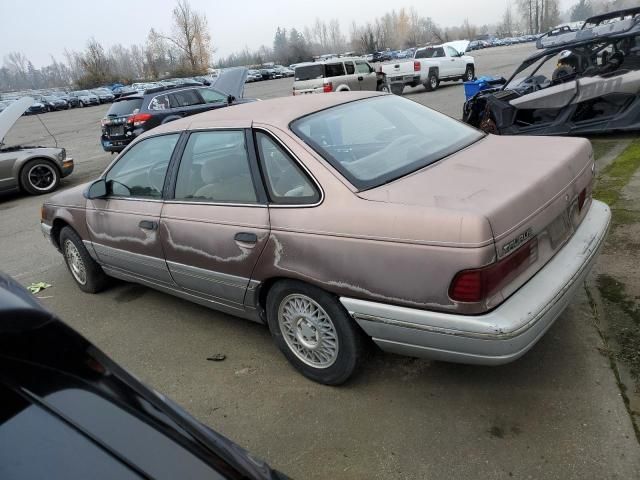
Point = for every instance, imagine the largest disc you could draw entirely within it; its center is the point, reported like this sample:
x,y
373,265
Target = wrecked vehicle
x,y
34,170
582,82
343,218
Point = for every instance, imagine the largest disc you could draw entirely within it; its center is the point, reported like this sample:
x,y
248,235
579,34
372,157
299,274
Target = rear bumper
x,y
504,334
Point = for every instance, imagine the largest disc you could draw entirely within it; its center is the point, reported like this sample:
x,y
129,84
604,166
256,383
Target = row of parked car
x,y
499,42
57,100
277,71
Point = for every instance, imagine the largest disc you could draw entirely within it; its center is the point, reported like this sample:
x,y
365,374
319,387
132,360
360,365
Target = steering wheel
x,y
155,176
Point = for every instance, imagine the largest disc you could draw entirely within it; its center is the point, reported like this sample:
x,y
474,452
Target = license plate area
x,y
116,131
559,230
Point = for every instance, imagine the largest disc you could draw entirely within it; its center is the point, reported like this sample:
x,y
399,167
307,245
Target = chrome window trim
x,y
217,204
301,165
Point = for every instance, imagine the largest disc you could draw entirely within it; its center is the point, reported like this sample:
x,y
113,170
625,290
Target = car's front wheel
x,y
314,332
39,176
86,272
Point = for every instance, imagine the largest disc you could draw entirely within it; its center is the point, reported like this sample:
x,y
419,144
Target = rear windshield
x,y
430,53
377,140
310,72
125,107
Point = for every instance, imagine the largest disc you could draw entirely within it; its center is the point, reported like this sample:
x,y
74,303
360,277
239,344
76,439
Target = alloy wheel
x,y
42,177
308,331
75,262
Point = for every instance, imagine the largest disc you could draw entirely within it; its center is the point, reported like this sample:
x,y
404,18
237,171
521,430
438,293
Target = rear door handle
x,y
148,224
360,78
246,237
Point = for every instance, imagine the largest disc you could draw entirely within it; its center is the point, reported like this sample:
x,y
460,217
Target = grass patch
x,y
627,333
616,175
602,147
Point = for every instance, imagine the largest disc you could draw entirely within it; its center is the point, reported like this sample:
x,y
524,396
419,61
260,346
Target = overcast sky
x,y
41,28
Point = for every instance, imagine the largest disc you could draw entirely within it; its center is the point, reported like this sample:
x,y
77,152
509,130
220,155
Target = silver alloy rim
x,y
308,331
469,75
42,177
74,260
434,82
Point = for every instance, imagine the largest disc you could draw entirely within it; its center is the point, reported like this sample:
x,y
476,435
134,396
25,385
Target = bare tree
x,y
17,63
191,37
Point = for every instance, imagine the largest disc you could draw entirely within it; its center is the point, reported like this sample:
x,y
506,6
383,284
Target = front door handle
x,y
360,78
148,225
246,237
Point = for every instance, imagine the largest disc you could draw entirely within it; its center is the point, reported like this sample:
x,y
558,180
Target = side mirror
x,y
97,189
231,99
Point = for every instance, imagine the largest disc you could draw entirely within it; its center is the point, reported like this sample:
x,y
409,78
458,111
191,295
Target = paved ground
x,y
554,414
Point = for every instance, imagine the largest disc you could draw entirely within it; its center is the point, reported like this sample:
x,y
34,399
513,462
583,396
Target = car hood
x,y
10,115
459,45
231,81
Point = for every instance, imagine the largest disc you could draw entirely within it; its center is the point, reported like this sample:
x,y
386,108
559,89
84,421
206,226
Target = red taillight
x,y
480,283
582,198
139,118
416,66
328,87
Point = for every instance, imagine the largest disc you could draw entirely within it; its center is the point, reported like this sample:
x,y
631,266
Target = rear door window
x,y
211,96
161,102
349,68
334,69
215,168
185,98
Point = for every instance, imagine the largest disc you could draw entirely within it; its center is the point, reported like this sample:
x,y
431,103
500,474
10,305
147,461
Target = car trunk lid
x,y
526,187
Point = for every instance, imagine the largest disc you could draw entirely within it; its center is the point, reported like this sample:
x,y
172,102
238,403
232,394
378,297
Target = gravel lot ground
x,y
555,414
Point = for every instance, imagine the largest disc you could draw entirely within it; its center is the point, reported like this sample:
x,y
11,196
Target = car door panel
x,y
215,227
202,252
120,242
123,227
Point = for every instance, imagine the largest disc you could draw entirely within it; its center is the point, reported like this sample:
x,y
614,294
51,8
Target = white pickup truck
x,y
429,66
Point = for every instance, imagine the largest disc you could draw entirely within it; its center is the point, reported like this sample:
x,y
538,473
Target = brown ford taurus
x,y
341,217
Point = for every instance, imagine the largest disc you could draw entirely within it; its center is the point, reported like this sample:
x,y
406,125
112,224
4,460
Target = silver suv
x,y
335,75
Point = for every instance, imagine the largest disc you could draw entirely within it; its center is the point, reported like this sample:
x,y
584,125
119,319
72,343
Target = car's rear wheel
x,y
86,272
432,82
314,332
38,177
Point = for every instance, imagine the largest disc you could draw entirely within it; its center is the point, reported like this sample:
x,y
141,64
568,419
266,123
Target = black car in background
x,y
123,91
104,95
132,115
52,102
67,411
71,101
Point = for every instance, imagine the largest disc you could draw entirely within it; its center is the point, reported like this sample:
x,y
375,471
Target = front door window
x,y
141,171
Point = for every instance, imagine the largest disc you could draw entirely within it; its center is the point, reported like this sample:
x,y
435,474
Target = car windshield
x,y
124,107
377,140
309,72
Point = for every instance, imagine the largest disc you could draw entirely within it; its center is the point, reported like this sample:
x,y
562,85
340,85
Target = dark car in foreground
x,y
132,115
68,411
580,83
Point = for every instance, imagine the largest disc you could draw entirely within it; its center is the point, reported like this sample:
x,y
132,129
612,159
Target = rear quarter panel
x,y
398,254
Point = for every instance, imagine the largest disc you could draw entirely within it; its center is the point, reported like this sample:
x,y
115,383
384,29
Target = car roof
x,y
278,112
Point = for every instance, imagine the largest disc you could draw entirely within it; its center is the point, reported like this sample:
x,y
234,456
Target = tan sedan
x,y
340,218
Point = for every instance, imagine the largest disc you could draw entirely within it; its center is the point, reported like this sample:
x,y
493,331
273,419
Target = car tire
x,y
39,176
84,270
397,89
432,82
469,74
314,332
383,87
